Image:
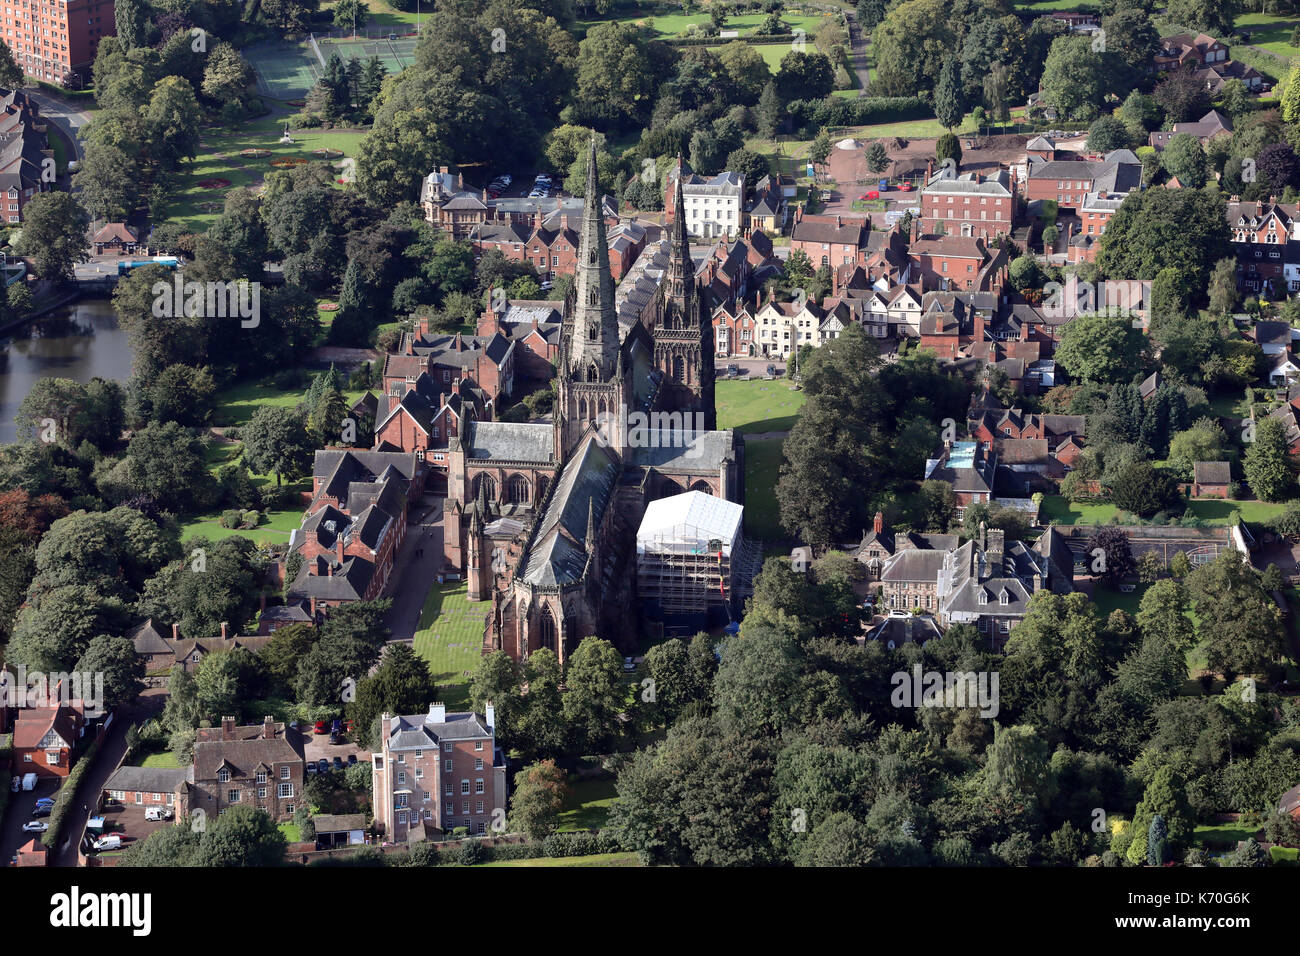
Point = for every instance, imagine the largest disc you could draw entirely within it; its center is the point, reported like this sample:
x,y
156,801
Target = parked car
x,y
629,664
35,826
112,842
336,739
42,811
352,758
336,727
157,813
504,179
323,765
322,727
338,763
771,370
733,369
45,801
870,194
311,766
905,187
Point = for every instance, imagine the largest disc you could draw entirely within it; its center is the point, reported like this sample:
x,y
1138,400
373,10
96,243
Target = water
x,y
80,342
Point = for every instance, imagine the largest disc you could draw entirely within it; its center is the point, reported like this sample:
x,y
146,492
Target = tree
x,y
1163,615
1240,625
1075,77
276,442
1101,348
1110,555
1267,465
350,15
910,44
543,724
132,20
595,693
753,166
497,681
1182,96
1107,133
1185,159
168,846
1223,286
1157,842
1143,490
618,75
1165,797
172,117
11,75
1160,228
123,669
804,76
877,157
227,75
54,235
948,147
540,791
1279,165
770,111
949,98
1247,854
1291,94
1216,17
870,13
746,69
401,685
241,836
167,463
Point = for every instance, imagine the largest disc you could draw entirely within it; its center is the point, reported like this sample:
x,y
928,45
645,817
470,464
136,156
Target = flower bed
x,y
215,183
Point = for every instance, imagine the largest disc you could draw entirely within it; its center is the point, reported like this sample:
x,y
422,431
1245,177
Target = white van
x,y
112,842
29,781
157,813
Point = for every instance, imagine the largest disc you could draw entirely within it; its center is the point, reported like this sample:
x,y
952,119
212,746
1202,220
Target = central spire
x,y
594,346
681,275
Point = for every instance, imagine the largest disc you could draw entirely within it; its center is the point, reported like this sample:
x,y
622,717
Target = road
x,y
858,52
416,574
68,118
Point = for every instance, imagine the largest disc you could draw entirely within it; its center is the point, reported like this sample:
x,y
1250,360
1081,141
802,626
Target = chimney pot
x,y
227,728
268,727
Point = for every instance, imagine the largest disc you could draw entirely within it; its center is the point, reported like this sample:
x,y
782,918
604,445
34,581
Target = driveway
x,y
69,119
416,572
112,748
19,811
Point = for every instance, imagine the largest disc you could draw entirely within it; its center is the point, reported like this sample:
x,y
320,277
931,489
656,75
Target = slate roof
x,y
1211,472
510,441
347,582
148,779
147,639
418,732
246,753
558,554
901,630
913,564
694,452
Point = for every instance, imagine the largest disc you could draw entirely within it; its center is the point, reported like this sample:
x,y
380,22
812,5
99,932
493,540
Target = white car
x,y
504,179
35,826
629,664
895,612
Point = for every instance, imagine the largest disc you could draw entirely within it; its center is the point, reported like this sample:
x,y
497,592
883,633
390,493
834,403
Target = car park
x,y
111,842
870,194
323,765
338,763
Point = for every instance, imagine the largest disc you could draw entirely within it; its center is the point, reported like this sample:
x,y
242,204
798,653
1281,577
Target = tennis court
x,y
396,54
285,71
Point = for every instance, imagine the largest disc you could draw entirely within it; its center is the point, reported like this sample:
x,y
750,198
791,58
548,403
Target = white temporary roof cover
x,y
687,523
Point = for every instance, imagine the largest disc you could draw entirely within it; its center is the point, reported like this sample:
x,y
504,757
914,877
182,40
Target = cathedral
x,y
541,517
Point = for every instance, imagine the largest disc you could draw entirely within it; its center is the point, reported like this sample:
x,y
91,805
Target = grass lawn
x,y
666,27
1217,511
236,403
1108,600
1268,31
1284,854
599,859
1211,510
165,760
758,405
1040,7
588,804
772,54
383,15
762,468
1230,405
274,528
291,832
1223,833
450,639
219,158
1056,509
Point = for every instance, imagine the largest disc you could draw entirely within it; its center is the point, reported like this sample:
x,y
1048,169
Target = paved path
x,y
858,53
416,575
68,118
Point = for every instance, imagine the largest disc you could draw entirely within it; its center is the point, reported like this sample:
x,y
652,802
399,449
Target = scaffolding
x,y
684,552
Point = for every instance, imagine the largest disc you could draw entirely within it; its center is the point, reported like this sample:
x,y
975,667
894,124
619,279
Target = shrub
x,y
471,853
423,854
231,518
570,844
249,519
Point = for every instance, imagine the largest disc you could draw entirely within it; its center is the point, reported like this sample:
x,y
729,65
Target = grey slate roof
x,y
417,732
689,452
147,779
558,554
510,441
1211,472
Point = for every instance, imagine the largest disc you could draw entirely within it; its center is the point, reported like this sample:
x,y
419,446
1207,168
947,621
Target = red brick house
x,y
1262,238
971,204
549,243
957,263
733,331
830,240
114,238
1184,51
260,765
1067,182
437,772
45,737
150,787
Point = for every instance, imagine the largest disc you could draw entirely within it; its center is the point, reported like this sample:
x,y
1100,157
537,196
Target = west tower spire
x,y
594,349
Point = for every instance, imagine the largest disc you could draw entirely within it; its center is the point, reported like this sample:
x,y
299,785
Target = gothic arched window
x,y
679,368
486,484
546,628
517,490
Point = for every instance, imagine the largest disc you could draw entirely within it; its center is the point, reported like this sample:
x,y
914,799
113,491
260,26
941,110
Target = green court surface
x,y
285,71
395,53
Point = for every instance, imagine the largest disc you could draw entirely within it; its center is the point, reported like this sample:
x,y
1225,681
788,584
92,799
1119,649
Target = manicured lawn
x,y
274,528
383,15
588,805
745,24
219,158
1284,854
291,832
164,759
1211,510
1223,833
450,639
1269,32
235,404
762,468
599,859
1108,600
772,53
758,405
1040,7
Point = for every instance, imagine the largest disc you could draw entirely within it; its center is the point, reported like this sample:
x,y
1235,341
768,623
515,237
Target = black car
x,y
41,811
322,765
338,763
336,738
352,758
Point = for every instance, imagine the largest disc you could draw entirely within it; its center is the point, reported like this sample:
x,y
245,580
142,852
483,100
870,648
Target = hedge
x,y
6,754
864,111
67,795
753,38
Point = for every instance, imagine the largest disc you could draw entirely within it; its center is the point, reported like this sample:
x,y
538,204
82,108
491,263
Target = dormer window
x,y
223,775
1004,598
984,597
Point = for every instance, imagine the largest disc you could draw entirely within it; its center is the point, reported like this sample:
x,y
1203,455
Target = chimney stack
x,y
268,727
878,523
490,715
176,632
340,544
227,728
385,728
437,713
225,630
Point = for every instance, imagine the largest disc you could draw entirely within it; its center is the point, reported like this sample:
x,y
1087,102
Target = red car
x,y
873,194
905,187
321,727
